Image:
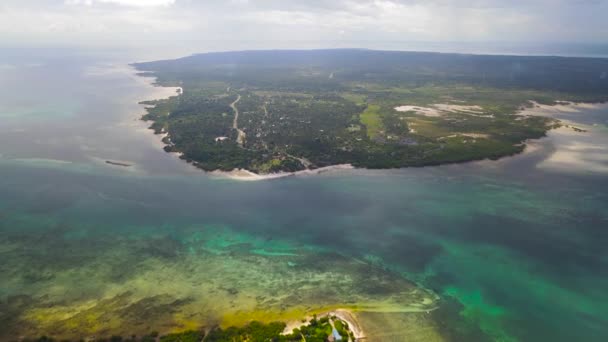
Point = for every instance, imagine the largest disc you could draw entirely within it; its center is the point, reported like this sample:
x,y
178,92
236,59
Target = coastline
x,y
536,109
530,146
579,146
343,314
351,320
246,175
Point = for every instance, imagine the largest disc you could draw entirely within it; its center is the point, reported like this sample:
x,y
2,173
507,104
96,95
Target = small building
x,y
335,335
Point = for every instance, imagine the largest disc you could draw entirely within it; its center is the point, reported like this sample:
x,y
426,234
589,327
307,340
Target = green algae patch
x,y
489,317
218,240
262,251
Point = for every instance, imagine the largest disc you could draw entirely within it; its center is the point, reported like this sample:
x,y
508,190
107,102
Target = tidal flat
x,y
168,281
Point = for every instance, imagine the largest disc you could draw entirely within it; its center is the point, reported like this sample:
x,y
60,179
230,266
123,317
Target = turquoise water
x,y
515,250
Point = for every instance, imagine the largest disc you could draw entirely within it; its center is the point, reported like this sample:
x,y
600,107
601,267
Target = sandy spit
x,y
246,175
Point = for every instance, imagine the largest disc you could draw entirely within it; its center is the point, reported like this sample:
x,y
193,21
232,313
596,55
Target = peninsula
x,y
287,111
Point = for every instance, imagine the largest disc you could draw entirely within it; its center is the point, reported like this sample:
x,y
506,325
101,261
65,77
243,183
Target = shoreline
x,y
351,320
536,109
343,314
246,175
530,145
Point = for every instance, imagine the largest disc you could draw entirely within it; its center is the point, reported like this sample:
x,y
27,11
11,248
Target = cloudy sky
x,y
124,22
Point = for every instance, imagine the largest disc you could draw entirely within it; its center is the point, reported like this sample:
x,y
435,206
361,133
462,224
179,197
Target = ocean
x,y
508,250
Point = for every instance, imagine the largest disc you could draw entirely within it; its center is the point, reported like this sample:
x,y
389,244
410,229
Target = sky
x,y
291,23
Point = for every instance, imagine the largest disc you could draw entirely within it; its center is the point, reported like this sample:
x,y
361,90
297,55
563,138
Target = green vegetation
x,y
188,336
254,331
372,121
309,109
317,330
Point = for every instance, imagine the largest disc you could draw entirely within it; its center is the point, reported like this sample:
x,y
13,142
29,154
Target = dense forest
x,y
372,109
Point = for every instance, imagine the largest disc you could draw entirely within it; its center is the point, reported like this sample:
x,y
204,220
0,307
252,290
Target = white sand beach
x,y
246,175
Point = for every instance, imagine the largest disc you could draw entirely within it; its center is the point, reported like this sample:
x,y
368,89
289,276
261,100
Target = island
x,y
291,110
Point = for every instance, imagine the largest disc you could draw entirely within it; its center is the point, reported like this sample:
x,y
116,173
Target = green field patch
x,y
358,99
372,121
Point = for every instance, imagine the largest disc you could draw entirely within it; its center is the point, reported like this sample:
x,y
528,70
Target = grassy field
x,y
370,118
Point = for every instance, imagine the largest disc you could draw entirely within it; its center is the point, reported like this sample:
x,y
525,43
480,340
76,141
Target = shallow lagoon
x,y
507,250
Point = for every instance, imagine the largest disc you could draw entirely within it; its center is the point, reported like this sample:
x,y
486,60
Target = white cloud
x,y
108,21
77,22
132,3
